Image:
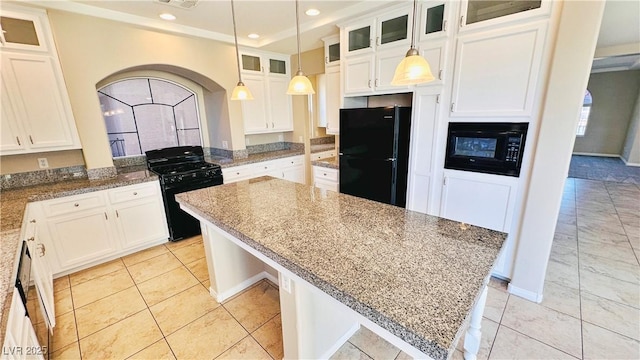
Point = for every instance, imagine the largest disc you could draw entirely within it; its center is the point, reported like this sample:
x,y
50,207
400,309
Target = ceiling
x,y
618,46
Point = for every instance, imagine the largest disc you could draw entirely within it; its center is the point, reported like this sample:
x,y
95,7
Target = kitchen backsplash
x,y
42,177
323,140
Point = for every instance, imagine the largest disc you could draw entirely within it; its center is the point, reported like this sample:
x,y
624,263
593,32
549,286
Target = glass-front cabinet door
x,y
250,63
22,31
277,67
331,50
476,13
359,38
393,29
434,20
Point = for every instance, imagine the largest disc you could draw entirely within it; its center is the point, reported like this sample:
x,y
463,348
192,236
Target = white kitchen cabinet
x,y
289,168
82,235
426,109
36,111
267,77
16,330
23,29
496,72
331,51
435,54
388,29
359,74
86,229
326,178
386,63
135,205
434,20
333,101
477,14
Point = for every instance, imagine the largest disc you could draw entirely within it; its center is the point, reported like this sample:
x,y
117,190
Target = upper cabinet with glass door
x,y
257,63
434,20
387,30
331,51
480,13
22,31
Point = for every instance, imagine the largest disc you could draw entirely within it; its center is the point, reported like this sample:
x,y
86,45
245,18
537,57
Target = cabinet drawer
x,y
323,155
73,204
236,173
320,173
133,192
291,161
265,167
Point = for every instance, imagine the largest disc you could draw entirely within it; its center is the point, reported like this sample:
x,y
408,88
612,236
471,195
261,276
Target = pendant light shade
x,y
300,84
240,92
413,69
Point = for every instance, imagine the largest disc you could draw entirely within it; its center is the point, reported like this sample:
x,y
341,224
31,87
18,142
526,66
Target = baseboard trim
x,y
629,163
525,294
597,154
341,341
241,286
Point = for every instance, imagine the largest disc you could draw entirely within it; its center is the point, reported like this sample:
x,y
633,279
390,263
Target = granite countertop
x,y
331,163
418,276
12,206
252,158
322,147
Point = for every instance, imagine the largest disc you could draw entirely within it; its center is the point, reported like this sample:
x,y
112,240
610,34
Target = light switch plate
x,y
225,144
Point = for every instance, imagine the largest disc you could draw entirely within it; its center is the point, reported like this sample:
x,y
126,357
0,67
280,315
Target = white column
x,y
473,335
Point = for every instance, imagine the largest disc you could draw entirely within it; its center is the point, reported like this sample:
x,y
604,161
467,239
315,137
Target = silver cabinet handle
x,y
117,215
42,249
462,21
31,238
18,140
272,125
369,84
31,139
266,125
326,59
33,221
440,74
378,40
135,193
76,204
376,83
452,106
105,216
444,25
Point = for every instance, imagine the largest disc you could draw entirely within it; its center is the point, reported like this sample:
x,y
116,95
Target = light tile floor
x,y
155,305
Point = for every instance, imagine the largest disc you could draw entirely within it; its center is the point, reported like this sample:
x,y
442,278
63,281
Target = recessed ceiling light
x,y
253,36
312,12
167,16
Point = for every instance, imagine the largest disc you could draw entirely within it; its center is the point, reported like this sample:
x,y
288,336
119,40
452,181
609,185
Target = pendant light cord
x,y
235,36
298,38
413,25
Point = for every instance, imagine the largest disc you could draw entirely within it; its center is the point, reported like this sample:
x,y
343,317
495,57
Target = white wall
x,y
631,149
575,45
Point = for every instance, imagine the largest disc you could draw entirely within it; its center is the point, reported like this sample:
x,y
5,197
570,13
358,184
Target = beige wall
x,y
91,49
614,96
29,162
631,149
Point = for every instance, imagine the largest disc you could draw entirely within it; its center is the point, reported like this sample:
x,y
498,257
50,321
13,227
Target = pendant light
x,y
300,84
413,69
240,92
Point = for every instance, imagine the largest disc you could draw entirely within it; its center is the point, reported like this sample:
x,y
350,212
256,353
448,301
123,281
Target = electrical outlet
x,y
225,144
280,137
43,163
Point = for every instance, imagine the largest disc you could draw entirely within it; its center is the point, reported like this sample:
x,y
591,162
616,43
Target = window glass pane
x,y
277,66
359,38
125,144
19,31
189,137
334,52
584,114
131,91
435,17
394,29
164,92
118,117
480,10
250,62
587,98
156,126
187,115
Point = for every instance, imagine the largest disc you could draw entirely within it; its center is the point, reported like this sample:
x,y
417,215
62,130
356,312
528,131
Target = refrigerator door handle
x,y
391,159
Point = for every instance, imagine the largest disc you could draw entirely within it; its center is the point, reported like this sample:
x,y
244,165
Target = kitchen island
x,y
414,279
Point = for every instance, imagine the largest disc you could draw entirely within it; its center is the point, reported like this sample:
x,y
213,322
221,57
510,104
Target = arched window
x,y
584,114
147,113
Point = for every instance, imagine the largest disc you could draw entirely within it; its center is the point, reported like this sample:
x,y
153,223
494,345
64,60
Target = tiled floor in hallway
x,y
155,305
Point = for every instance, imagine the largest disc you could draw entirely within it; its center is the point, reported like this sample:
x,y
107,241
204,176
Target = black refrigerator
x,y
374,153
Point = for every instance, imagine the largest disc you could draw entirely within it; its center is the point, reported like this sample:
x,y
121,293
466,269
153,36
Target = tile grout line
x,y
541,342
575,193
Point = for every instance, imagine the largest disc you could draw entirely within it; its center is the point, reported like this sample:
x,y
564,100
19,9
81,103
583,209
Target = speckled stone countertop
x,y
418,276
322,147
331,163
253,158
12,207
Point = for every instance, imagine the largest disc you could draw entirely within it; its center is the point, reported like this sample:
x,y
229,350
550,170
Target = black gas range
x,y
182,169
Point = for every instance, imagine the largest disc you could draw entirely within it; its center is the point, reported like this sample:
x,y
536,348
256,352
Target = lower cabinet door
x,y
43,277
83,237
295,174
140,222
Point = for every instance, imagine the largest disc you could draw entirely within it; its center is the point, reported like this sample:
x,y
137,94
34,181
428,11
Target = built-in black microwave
x,y
493,148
